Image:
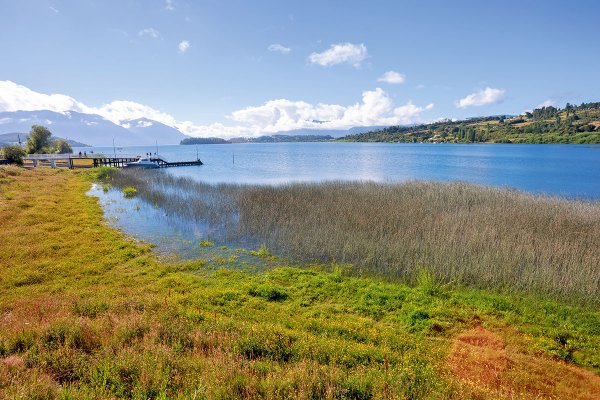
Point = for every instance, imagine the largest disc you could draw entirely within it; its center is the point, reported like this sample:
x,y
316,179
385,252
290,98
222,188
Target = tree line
x,y
39,141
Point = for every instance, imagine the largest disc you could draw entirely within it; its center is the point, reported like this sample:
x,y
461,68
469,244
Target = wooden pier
x,y
120,162
93,161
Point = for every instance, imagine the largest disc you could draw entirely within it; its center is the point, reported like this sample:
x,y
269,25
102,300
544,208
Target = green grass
x,y
129,192
88,313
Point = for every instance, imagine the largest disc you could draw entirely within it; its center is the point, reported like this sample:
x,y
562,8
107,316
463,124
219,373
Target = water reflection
x,y
569,170
176,237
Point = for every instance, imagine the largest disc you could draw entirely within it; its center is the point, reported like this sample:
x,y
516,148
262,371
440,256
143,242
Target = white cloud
x,y
14,97
482,97
279,48
183,46
340,53
375,108
409,113
169,5
54,10
546,103
150,32
392,77
144,124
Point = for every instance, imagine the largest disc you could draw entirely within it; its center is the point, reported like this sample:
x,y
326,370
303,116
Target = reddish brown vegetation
x,y
492,368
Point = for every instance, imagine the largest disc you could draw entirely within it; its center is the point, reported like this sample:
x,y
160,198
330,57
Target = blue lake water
x,y
564,170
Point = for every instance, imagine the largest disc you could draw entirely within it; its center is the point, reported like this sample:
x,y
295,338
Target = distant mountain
x,y
336,133
95,130
362,129
13,138
91,128
282,139
154,131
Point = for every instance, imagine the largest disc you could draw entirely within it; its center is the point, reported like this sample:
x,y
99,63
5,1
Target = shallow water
x,y
175,237
564,170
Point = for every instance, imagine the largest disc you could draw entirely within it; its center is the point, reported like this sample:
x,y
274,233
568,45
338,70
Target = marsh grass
x,y
460,233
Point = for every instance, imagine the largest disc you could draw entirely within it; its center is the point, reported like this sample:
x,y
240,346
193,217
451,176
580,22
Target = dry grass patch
x,y
491,368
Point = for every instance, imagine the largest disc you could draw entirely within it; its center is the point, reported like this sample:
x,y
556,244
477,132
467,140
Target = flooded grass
x,y
460,233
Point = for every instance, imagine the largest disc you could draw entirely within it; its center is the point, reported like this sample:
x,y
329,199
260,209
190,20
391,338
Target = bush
x,y
62,147
268,292
14,154
129,192
274,346
39,140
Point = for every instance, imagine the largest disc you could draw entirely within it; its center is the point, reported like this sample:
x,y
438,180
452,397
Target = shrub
x,y
129,192
13,154
269,345
89,310
62,147
263,251
268,292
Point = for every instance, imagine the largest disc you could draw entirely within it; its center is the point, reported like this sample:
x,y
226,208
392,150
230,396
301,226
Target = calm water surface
x,y
565,170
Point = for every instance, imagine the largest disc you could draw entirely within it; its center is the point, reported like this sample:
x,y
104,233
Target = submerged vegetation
x,y
89,313
461,233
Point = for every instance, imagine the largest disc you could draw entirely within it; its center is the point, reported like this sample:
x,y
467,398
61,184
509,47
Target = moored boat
x,y
142,163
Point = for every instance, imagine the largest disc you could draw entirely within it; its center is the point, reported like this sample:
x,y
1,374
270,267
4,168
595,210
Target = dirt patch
x,y
13,362
489,368
479,356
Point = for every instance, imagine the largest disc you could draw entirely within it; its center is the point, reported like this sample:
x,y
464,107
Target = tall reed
x,y
462,233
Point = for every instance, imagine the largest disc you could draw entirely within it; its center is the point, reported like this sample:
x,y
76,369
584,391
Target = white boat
x,y
143,163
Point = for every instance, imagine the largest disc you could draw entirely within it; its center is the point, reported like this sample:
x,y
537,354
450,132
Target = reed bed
x,y
460,233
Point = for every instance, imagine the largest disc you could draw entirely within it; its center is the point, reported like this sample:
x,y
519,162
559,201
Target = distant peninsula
x,y
571,124
200,140
260,139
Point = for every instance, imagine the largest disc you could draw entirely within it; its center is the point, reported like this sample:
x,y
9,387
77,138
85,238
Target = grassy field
x,y
88,313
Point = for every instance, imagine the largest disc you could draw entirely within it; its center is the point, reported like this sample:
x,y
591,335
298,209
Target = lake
x,y
564,170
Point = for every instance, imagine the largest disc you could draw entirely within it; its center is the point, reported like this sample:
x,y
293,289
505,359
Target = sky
x,y
245,68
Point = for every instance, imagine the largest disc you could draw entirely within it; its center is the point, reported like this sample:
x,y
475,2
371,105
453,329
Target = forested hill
x,y
572,124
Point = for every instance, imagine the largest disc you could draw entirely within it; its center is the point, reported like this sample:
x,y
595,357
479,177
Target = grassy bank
x,y
88,313
461,233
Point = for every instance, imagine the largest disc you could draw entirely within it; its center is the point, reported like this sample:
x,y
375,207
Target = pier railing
x,y
96,160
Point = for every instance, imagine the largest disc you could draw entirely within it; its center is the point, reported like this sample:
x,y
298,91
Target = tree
x,y
14,154
62,146
38,140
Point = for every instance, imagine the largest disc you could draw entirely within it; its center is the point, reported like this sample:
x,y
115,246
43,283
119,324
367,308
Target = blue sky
x,y
222,68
